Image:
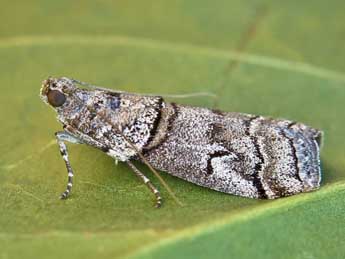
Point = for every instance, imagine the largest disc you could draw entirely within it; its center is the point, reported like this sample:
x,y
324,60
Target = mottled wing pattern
x,y
242,154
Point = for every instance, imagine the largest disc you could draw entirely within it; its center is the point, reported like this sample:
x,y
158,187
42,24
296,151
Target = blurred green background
x,y
276,58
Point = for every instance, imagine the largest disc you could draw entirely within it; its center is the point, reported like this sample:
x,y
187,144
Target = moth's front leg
x,y
62,137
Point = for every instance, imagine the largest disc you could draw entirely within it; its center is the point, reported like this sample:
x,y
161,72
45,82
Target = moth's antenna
x,y
172,194
188,95
95,87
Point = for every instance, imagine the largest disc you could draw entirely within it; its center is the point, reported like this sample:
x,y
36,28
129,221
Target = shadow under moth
x,y
235,153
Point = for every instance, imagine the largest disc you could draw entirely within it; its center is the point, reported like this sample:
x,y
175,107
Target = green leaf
x,y
282,59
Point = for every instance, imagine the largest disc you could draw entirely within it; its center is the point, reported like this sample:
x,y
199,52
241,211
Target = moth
x,y
236,153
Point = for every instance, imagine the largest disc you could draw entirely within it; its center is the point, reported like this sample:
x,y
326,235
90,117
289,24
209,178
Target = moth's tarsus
x,y
64,195
236,153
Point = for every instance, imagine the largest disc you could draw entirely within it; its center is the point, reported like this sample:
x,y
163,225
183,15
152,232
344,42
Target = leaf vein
x,y
248,58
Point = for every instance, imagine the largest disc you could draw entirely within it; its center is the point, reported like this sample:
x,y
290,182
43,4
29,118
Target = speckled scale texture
x,y
241,154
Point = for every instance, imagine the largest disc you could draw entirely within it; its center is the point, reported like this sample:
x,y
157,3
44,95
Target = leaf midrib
x,y
252,59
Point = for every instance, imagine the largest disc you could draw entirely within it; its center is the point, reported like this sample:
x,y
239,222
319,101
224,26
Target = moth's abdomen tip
x,y
298,165
308,153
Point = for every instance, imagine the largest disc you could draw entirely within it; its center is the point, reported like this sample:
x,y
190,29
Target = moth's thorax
x,y
109,118
106,117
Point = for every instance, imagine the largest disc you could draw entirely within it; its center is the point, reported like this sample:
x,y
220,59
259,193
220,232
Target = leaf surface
x,y
261,57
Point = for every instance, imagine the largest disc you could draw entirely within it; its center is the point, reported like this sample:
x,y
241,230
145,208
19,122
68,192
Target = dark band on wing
x,y
209,168
170,123
153,131
258,166
294,155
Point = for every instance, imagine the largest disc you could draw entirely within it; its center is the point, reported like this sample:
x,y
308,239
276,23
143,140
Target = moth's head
x,y
55,91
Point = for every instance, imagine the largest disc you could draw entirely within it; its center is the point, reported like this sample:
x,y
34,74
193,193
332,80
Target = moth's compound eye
x,y
56,98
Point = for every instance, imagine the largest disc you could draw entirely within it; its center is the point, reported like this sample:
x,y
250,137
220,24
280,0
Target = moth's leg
x,y
62,137
147,181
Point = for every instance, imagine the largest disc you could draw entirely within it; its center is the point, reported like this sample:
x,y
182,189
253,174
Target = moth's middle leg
x,y
147,181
